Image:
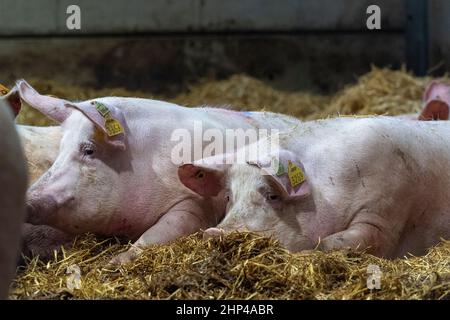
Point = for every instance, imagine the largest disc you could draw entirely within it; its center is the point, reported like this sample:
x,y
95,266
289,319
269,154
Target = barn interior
x,y
309,59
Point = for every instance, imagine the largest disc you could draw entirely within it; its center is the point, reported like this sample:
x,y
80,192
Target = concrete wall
x,y
165,45
440,36
24,17
170,64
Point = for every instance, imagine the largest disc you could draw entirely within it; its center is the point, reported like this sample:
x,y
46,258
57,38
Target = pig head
x,y
113,174
262,195
88,170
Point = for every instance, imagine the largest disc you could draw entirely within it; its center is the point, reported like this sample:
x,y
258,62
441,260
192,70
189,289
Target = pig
x,y
13,180
379,184
435,103
436,99
42,147
114,173
41,144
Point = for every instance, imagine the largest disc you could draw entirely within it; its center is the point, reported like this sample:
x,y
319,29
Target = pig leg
x,y
358,236
176,223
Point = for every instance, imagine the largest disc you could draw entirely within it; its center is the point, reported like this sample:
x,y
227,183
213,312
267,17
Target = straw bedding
x,y
242,265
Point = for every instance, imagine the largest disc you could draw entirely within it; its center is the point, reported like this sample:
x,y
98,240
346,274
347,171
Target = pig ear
x,y
50,106
109,119
12,97
286,171
436,89
207,181
436,102
435,110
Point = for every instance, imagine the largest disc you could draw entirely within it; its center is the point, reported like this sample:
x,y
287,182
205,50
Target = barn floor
x,y
242,265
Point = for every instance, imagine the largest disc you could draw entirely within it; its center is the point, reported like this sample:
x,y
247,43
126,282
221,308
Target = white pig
x,y
124,182
373,183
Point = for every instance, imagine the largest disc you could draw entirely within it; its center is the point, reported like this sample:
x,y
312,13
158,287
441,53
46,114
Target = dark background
x,y
163,46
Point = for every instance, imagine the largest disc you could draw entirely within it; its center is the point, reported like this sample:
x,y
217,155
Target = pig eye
x,y
87,149
272,197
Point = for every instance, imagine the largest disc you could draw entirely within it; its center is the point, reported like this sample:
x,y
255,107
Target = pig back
x,y
383,169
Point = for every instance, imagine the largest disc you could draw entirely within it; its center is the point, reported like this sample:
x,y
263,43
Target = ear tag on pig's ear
x,y
295,174
102,109
3,90
112,126
277,167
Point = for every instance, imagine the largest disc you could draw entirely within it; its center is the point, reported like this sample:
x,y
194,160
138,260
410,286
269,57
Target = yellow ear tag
x,y
113,127
295,174
102,109
3,90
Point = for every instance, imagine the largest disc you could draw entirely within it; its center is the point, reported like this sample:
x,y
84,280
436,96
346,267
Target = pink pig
x,y
436,102
119,179
13,182
377,183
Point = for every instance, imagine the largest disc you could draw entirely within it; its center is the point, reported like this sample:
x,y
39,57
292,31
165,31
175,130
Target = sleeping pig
x,y
377,183
115,174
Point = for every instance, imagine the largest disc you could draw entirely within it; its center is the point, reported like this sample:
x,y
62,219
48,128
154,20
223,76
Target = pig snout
x,y
213,233
40,210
